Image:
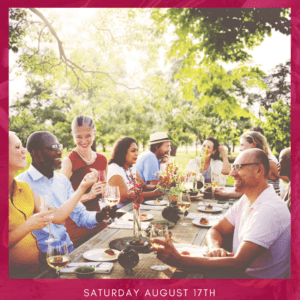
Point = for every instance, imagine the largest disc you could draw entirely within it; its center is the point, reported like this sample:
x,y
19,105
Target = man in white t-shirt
x,y
260,224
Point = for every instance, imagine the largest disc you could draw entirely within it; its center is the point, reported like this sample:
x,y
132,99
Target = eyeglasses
x,y
55,147
237,167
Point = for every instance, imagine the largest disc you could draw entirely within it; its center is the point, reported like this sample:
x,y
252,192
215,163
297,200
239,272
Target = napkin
x,y
193,216
101,267
127,225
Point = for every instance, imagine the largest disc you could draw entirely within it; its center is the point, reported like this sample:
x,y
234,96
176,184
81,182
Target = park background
x,y
228,289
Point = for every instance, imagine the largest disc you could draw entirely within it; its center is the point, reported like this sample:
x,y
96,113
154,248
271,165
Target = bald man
x,y
260,223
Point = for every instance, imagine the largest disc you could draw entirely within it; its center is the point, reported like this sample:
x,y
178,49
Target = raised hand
x,y
222,150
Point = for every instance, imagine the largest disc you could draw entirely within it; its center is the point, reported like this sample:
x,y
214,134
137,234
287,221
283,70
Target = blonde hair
x,y
257,138
10,134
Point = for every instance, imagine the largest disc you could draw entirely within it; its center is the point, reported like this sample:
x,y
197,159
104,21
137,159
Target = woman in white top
x,y
121,169
213,164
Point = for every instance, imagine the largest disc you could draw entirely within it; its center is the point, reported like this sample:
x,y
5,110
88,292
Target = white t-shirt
x,y
216,168
115,169
267,223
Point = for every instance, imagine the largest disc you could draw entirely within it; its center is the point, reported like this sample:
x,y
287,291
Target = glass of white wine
x,y
57,255
45,205
214,180
183,204
112,196
102,180
159,231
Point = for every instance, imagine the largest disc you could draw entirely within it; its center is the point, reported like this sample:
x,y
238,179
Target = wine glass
x,y
102,180
45,205
184,203
57,255
159,231
214,180
112,196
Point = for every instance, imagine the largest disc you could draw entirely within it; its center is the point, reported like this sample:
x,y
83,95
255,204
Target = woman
x,y
75,166
252,139
25,214
213,164
121,169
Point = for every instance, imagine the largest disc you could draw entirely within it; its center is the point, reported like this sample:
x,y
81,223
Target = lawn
x,y
182,158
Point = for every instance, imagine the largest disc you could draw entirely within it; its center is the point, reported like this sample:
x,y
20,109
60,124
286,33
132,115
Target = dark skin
x,y
46,160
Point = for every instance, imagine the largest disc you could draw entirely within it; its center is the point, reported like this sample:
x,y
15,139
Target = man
x,y
46,155
260,223
284,169
148,163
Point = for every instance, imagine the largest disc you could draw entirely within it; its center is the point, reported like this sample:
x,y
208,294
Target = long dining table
x,y
191,235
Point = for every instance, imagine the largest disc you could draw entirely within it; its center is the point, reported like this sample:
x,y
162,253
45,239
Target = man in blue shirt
x,y
46,156
148,163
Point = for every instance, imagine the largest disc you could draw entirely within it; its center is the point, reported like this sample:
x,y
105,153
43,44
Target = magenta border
x,y
74,289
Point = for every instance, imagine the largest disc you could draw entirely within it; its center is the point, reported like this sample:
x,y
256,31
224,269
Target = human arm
x,y
67,167
61,213
273,173
226,165
221,194
35,222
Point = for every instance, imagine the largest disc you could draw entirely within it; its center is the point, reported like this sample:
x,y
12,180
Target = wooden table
x,y
181,234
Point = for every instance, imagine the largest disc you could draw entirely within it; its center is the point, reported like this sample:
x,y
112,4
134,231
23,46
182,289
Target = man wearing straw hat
x,y
148,163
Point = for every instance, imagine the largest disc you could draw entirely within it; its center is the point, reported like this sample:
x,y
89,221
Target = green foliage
x,y
277,129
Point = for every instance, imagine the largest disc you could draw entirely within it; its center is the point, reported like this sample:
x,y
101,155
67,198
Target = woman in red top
x,y
75,166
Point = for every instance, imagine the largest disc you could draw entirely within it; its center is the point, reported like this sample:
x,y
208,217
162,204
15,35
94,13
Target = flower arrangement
x,y
171,181
135,190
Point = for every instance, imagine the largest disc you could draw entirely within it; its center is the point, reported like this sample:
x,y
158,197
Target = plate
x,y
170,224
149,217
96,255
161,203
195,251
215,208
212,222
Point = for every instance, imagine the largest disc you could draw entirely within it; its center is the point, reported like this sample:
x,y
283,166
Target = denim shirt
x,y
59,189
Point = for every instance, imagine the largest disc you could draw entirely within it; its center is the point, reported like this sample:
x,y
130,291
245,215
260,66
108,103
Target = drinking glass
x,y
159,231
214,180
112,197
57,255
184,203
45,205
102,179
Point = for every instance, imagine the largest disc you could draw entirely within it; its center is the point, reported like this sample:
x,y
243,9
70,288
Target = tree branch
x,y
68,62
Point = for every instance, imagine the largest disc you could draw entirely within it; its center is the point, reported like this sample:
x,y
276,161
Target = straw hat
x,y
158,137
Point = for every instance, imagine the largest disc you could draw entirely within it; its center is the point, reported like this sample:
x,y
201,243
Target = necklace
x,y
88,162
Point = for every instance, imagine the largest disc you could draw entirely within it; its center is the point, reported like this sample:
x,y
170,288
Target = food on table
x,y
109,253
143,216
204,221
208,207
156,201
185,253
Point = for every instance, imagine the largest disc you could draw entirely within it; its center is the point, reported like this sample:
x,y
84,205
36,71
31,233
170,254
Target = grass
x,y
182,158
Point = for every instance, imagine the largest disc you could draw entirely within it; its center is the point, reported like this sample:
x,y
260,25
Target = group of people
x,y
75,192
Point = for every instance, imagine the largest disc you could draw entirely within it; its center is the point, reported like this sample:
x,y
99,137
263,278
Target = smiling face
x,y
83,137
132,154
244,179
47,157
246,145
164,149
210,147
17,153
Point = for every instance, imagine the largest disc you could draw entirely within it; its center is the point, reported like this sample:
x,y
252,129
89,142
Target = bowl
x,y
193,193
85,272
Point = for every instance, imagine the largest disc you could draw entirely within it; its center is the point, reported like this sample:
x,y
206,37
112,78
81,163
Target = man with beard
x,y
148,163
46,154
260,223
284,169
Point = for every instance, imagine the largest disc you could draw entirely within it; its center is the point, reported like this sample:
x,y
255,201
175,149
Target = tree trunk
x,y
173,150
229,149
144,144
103,146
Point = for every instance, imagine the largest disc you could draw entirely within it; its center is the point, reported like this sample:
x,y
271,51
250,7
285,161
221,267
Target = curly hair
x,y
216,155
255,137
120,149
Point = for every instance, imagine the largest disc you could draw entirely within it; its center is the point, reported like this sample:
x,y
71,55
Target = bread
x,y
109,253
185,253
204,221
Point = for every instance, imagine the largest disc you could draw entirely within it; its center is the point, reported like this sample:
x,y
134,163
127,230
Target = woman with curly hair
x,y
121,169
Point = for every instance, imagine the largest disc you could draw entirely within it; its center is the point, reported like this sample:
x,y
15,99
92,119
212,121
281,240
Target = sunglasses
x,y
237,167
55,147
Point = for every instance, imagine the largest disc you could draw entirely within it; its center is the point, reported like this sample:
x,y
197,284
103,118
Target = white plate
x,y
214,209
151,202
212,222
96,255
149,217
195,251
